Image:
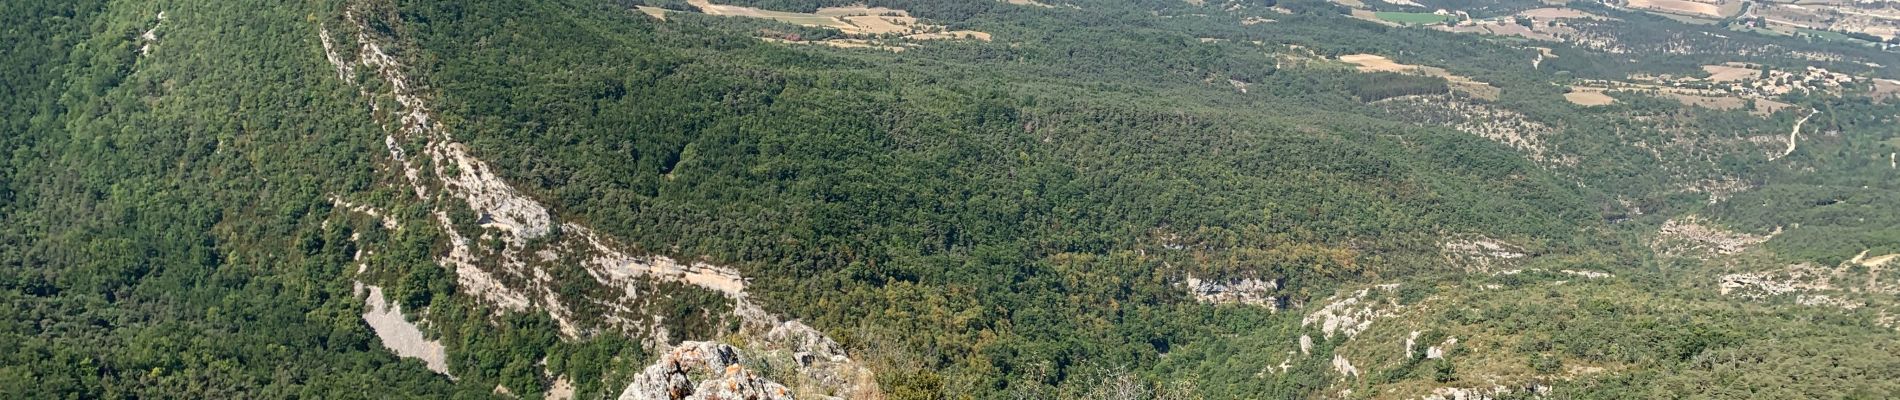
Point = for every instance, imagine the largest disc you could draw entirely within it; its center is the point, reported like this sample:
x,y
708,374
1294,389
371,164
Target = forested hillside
x,y
939,199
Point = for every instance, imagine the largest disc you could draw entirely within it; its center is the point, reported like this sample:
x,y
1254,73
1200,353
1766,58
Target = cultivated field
x,y
1559,13
862,22
1378,63
1729,73
1411,18
1588,97
655,12
1684,7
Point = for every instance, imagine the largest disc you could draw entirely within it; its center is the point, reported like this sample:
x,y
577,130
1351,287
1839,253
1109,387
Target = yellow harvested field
x,y
787,17
854,20
1729,73
1558,13
876,24
860,10
1679,7
1879,261
1378,63
655,12
1368,15
1886,88
1374,63
1765,106
1589,98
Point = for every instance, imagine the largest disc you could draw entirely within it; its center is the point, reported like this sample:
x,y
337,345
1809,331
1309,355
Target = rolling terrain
x,y
898,199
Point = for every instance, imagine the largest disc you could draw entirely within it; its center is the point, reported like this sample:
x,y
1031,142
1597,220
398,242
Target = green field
x,y
1411,18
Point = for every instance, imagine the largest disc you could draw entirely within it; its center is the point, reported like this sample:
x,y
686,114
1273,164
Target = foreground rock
x,y
702,370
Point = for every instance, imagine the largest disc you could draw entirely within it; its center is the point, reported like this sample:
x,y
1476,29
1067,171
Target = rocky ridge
x,y
506,261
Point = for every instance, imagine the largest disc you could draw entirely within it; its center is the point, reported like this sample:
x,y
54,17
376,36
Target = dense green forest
x,y
1011,218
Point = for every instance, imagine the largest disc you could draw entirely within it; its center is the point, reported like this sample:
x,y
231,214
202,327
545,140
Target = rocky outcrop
x,y
1481,119
702,371
1588,274
1458,393
506,259
150,37
399,334
1796,278
1344,367
1690,237
1352,314
1250,291
1437,352
1480,254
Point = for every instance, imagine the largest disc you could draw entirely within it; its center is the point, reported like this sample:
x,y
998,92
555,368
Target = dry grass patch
x,y
1377,63
862,22
1370,16
1559,13
655,12
1679,7
1886,88
1587,97
861,10
854,20
1729,73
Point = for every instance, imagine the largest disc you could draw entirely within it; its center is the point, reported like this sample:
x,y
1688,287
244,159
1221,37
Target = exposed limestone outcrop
x,y
1588,274
1437,352
1250,291
1690,237
399,334
1812,285
1480,254
702,371
1796,278
150,37
1410,342
505,262
1352,314
1344,367
1458,393
1501,125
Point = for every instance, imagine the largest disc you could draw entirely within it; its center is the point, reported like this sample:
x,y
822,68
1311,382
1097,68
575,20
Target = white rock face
x,y
1454,393
1484,247
502,264
1306,345
1689,237
1437,352
1352,314
1822,300
1588,274
1343,367
150,37
1796,278
1480,254
1249,291
401,336
702,371
562,389
1410,342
